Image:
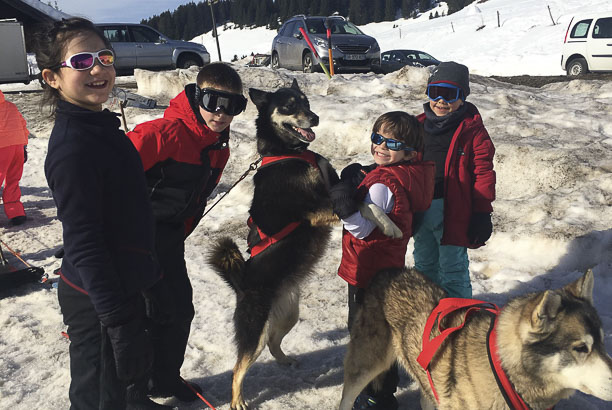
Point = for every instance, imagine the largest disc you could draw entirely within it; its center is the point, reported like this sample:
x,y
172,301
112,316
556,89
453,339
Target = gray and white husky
x,y
550,344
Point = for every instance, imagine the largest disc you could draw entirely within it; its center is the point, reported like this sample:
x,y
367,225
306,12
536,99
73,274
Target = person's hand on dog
x,y
342,199
354,174
132,349
480,228
159,303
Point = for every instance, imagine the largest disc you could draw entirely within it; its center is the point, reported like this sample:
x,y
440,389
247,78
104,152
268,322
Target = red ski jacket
x,y
183,161
412,187
469,179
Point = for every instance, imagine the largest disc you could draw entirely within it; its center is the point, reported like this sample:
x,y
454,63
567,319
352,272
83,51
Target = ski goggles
x,y
393,145
214,101
447,92
86,60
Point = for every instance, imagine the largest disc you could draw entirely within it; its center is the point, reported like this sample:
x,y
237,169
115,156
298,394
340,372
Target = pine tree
x,y
390,10
324,8
378,14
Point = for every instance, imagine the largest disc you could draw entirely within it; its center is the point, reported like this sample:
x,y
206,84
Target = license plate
x,y
354,57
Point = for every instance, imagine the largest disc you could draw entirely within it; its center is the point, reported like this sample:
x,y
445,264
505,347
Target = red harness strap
x,y
267,240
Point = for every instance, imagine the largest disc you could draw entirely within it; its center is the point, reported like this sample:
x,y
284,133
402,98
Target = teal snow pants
x,y
446,265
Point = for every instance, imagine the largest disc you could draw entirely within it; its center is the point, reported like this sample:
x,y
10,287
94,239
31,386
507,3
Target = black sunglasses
x,y
213,100
393,145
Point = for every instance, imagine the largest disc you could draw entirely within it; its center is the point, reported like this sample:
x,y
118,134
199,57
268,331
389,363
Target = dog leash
x,y
196,393
252,167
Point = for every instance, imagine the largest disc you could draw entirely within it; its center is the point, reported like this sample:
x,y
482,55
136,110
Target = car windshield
x,y
317,26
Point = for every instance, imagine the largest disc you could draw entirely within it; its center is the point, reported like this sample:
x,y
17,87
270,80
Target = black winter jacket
x,y
98,184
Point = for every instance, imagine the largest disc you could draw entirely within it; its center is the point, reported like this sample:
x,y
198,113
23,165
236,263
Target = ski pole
x,y
15,254
197,394
328,25
314,51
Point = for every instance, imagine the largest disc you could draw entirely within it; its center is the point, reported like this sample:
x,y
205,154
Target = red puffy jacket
x,y
469,179
183,161
412,187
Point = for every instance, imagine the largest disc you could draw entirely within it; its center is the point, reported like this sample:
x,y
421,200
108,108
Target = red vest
x,y
412,187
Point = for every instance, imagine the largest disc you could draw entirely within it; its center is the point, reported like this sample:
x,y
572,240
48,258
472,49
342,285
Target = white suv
x,y
588,44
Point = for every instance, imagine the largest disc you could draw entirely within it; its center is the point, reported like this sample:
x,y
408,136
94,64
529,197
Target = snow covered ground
x,y
552,219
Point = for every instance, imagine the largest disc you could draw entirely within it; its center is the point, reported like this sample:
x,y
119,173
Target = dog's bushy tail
x,y
228,262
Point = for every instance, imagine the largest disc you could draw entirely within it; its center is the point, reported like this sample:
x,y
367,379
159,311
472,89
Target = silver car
x,y
141,46
352,50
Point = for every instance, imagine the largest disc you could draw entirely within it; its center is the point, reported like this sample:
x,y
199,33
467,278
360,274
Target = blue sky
x,y
127,11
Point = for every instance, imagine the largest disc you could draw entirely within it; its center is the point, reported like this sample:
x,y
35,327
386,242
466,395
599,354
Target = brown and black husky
x,y
291,209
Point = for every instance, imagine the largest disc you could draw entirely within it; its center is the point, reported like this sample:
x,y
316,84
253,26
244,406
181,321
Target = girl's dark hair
x,y
220,75
50,44
402,127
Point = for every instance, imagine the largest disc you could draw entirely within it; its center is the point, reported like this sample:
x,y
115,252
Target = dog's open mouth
x,y
304,134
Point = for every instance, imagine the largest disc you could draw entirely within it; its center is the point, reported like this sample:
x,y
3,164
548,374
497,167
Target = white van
x,y
588,44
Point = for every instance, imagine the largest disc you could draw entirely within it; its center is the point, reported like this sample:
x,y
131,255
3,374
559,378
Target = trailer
x,y
14,66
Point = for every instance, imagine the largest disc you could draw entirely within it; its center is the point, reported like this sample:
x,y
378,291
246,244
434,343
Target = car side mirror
x,y
298,36
162,40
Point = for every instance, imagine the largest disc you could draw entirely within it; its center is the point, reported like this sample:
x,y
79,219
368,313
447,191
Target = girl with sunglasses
x,y
400,184
183,155
460,214
98,185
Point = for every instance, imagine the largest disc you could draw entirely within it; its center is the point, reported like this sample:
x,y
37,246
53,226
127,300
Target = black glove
x,y
353,174
159,303
132,349
342,199
480,228
25,154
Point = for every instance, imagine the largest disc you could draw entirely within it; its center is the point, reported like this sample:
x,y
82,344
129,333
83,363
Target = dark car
x,y
352,50
393,60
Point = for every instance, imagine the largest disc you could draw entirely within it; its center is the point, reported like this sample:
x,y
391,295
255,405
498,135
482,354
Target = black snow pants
x,y
391,376
170,341
94,384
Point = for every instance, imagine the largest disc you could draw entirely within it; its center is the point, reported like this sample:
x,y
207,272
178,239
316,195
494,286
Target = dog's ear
x,y
295,85
545,312
583,287
259,97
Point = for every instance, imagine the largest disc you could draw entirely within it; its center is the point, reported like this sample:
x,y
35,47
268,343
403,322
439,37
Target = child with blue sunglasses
x,y
400,184
460,214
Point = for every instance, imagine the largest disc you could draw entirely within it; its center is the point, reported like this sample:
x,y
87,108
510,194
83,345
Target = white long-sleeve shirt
x,y
379,195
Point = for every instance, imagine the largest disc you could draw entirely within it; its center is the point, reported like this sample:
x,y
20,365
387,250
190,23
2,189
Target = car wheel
x,y
307,63
578,66
275,63
189,61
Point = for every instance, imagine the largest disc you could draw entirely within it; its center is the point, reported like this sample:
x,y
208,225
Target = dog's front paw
x,y
288,361
381,219
323,217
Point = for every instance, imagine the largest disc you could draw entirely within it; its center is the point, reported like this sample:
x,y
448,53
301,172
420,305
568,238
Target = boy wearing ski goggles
x,y
459,217
184,155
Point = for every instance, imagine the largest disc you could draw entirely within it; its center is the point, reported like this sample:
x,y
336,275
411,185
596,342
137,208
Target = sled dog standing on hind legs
x,y
549,345
290,218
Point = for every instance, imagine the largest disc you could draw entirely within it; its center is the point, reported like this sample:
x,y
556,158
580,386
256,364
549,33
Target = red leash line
x,y
197,394
15,254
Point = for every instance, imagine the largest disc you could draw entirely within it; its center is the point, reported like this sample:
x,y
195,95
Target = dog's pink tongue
x,y
307,133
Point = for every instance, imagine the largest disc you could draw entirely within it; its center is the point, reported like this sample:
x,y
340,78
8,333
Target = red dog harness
x,y
263,241
431,346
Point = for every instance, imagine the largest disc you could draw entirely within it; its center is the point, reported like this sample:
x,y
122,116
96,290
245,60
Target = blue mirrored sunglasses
x,y
393,145
447,92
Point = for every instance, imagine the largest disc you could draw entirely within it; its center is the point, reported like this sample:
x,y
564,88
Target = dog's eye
x,y
581,348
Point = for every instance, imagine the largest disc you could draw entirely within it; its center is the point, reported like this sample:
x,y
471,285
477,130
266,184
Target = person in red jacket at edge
x,y
183,154
460,214
400,184
13,154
